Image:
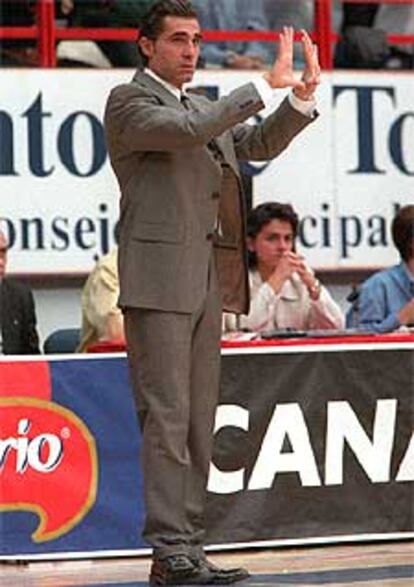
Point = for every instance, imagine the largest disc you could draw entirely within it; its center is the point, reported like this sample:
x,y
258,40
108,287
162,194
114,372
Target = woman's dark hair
x,y
258,217
402,229
152,23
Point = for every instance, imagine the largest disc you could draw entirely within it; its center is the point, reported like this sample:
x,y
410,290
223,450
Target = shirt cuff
x,y
305,107
265,91
391,322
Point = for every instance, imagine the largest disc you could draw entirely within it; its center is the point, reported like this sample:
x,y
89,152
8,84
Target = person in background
x,y
234,15
364,30
182,258
101,14
397,19
284,290
17,313
17,52
386,299
296,13
102,319
358,14
361,45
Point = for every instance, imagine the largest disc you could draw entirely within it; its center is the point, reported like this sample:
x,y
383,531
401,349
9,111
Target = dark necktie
x,y
212,145
185,101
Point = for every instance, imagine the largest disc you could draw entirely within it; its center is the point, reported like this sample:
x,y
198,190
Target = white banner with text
x,y
346,174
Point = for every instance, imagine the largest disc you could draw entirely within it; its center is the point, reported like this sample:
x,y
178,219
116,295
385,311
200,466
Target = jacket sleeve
x,y
270,138
373,312
140,122
325,313
30,337
262,310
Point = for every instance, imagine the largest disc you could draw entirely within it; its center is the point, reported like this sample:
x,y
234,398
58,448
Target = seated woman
x,y
102,319
284,290
386,299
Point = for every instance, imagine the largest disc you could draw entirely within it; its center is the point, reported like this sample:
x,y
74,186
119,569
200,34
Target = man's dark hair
x,y
152,23
402,229
258,217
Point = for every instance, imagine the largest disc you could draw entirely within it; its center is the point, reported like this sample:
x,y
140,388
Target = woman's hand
x,y
307,276
288,264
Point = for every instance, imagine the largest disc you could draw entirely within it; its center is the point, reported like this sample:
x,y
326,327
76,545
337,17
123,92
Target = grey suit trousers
x,y
174,361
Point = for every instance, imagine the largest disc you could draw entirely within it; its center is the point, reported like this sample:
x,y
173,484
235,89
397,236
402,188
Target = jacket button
x,y
215,195
209,236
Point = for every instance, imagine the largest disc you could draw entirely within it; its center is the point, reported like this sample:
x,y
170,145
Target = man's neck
x,y
173,89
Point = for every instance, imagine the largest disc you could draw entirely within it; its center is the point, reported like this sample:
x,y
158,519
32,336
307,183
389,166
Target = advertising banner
x,y
69,474
313,444
346,174
310,446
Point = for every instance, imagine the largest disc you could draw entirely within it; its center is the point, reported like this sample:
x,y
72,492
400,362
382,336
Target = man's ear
x,y
147,46
250,244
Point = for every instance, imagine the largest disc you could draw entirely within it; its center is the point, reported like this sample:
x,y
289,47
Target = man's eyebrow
x,y
183,34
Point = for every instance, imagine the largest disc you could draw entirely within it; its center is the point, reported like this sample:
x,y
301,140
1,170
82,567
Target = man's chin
x,y
187,75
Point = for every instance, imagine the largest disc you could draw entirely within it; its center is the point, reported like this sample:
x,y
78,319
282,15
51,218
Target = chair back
x,y
352,314
64,340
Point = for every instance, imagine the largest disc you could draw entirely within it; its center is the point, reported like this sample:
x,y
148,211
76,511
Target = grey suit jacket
x,y
171,189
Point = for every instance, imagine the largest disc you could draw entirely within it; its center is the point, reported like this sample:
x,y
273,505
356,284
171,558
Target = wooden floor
x,y
376,564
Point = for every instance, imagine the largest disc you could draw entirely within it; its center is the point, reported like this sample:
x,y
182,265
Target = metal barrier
x,y
47,32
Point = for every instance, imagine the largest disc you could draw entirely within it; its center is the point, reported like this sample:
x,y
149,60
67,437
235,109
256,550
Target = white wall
x,y
57,308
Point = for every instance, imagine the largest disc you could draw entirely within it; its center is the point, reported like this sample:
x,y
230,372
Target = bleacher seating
x,y
47,30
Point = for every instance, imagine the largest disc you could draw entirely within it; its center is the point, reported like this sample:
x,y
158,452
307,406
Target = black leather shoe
x,y
218,575
177,569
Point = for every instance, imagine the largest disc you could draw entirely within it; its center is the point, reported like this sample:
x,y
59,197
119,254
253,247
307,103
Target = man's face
x,y
273,241
174,54
3,255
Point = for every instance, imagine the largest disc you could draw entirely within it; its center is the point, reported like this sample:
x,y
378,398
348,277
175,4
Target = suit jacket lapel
x,y
169,99
156,88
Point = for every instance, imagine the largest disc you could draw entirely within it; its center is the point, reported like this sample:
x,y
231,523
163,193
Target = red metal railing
x,y
47,32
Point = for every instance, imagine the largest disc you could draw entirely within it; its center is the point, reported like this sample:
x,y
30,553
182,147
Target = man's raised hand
x,y
281,74
311,75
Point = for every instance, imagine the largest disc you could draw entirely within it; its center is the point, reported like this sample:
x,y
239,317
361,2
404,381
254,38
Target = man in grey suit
x,y
182,259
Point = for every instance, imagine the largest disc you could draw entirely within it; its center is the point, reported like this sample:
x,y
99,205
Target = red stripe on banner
x,y
392,337
25,378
